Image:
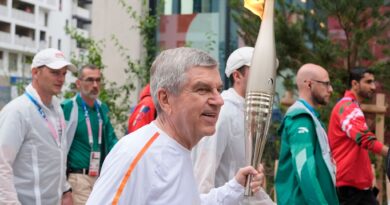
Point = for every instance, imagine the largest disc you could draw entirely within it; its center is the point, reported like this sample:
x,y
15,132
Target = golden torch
x,y
261,86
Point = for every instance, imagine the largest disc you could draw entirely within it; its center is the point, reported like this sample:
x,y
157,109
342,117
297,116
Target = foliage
x,y
302,36
110,92
117,96
146,24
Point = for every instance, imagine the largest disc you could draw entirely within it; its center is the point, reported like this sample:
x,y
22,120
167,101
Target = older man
x,y
217,158
153,164
90,133
306,174
33,145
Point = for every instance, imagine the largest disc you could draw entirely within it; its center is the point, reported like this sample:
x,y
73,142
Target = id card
x,y
94,164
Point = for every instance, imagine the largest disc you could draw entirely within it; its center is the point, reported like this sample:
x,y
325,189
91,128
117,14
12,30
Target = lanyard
x,y
88,122
308,106
49,124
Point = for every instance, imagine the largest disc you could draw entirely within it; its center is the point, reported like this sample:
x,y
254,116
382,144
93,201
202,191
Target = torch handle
x,y
257,119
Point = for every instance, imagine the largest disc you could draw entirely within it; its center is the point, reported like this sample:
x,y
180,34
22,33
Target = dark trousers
x,y
352,196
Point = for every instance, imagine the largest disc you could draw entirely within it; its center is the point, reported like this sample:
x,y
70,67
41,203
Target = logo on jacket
x,y
302,130
142,112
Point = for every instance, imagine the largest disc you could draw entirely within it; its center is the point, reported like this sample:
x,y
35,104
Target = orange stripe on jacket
x,y
131,168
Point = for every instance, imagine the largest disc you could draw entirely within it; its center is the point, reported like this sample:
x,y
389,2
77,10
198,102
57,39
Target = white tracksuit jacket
x,y
32,165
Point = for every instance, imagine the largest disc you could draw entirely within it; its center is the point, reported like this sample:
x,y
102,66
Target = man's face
x,y
321,89
366,86
195,110
246,78
89,83
50,81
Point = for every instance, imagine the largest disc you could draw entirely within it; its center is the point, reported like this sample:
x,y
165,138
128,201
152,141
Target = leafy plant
x,y
110,92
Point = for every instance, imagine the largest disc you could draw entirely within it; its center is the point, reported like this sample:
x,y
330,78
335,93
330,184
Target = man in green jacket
x,y
306,172
89,133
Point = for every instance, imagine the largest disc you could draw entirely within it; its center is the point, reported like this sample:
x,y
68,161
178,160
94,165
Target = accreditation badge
x,y
94,164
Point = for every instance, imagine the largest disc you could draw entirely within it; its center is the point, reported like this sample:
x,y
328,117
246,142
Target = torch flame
x,y
256,7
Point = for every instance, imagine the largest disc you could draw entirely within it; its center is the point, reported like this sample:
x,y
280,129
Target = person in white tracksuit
x,y
217,158
33,145
153,164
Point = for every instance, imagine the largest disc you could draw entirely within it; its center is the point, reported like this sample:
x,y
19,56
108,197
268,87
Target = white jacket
x,y
32,165
163,174
217,158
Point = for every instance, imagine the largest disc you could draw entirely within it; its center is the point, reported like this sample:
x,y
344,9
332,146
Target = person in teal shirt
x,y
90,134
306,172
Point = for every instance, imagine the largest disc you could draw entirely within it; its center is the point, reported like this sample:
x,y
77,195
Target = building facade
x,y
27,26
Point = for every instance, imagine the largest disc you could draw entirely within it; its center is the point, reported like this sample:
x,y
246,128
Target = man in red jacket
x,y
350,140
144,112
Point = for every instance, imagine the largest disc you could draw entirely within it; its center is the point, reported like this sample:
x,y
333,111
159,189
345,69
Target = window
x,y
12,62
1,60
42,36
59,44
46,17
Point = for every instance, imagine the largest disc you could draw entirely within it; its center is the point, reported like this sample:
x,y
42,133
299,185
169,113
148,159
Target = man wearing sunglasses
x,y
350,140
89,132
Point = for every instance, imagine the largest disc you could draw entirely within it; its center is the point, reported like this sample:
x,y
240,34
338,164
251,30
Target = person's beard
x,y
318,99
365,94
93,94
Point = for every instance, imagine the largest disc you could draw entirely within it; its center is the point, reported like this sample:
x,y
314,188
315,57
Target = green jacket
x,y
77,133
302,176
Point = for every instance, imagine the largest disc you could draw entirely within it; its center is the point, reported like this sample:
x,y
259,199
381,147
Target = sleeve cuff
x,y
377,148
235,186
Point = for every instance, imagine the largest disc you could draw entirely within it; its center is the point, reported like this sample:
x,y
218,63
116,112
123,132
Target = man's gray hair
x,y
87,66
169,68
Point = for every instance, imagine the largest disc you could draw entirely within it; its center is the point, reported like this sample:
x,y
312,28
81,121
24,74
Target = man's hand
x,y
257,177
67,198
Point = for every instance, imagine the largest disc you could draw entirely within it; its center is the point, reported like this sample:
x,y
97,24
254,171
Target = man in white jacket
x,y
217,158
153,164
33,145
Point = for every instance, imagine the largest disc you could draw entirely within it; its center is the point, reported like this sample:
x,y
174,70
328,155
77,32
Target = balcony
x,y
23,16
83,33
49,4
82,13
25,42
5,37
3,11
52,3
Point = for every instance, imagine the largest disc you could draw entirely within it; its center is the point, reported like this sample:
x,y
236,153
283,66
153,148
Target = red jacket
x,y
350,140
144,112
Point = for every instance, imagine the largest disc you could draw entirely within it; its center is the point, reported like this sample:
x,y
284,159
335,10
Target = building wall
x,y
110,18
25,28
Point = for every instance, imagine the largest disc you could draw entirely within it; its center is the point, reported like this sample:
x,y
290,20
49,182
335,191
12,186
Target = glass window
x,y
190,6
187,7
59,44
12,62
1,61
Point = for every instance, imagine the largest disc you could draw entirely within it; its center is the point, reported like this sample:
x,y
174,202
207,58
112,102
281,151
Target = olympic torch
x,y
260,89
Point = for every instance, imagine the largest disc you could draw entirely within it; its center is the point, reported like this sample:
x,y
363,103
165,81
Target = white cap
x,y
239,58
53,59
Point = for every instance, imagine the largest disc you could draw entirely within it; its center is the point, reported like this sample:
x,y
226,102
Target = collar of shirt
x,y
349,94
308,106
